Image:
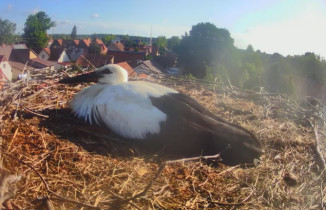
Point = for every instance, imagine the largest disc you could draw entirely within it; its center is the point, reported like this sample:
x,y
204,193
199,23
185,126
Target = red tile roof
x,y
17,65
93,60
59,41
40,63
3,76
130,70
98,41
116,46
87,42
47,50
5,50
122,56
143,75
20,55
104,49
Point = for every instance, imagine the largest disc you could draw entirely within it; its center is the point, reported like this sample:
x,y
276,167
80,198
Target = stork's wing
x,y
126,108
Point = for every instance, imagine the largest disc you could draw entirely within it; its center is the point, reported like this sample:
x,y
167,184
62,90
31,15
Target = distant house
x,y
5,70
93,60
149,67
124,56
49,43
80,49
116,46
44,54
60,57
30,58
22,60
60,43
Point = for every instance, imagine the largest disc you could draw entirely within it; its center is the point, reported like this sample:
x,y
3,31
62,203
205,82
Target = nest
x,y
63,163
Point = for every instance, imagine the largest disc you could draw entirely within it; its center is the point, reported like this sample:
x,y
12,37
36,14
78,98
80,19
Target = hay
x,y
66,164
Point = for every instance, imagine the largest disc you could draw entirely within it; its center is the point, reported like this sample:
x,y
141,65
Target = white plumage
x,y
126,108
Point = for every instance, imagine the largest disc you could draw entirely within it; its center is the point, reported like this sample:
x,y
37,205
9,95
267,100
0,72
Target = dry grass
x,y
79,163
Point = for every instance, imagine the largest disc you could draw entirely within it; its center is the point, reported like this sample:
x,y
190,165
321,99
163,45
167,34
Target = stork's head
x,y
108,74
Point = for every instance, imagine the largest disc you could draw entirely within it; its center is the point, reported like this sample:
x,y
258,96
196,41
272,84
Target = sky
x,y
288,27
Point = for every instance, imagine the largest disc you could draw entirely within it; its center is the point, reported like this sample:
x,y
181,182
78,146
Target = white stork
x,y
159,118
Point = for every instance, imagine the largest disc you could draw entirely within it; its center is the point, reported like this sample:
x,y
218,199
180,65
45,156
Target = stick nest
x,y
70,165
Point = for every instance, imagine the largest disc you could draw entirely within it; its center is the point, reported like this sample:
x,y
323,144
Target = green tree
x,y
108,39
94,48
7,30
35,30
173,43
73,34
161,43
204,44
128,43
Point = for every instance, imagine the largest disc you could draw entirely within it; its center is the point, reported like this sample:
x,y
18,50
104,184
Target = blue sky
x,y
283,26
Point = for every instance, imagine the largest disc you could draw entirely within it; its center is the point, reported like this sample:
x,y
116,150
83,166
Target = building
x,y
5,70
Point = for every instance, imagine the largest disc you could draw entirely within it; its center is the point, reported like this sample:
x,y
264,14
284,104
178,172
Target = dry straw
x,y
66,164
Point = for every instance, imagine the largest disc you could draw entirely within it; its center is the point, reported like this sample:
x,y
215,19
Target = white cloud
x,y
302,33
94,15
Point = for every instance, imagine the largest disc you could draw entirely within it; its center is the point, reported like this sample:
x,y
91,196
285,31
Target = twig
x,y
243,202
193,158
148,186
317,147
32,112
46,184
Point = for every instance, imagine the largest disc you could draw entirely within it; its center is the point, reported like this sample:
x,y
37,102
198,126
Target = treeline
x,y
205,52
103,37
209,52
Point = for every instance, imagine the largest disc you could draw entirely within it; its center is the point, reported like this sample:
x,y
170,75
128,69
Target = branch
x,y
46,184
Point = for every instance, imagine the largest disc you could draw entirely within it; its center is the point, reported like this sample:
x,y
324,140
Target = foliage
x,y
108,39
35,30
7,30
161,42
208,52
128,42
73,34
173,43
94,48
204,44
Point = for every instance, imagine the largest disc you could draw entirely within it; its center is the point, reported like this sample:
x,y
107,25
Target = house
x,y
80,49
22,60
5,70
116,46
30,58
60,43
149,67
104,49
60,57
44,54
93,60
125,56
49,43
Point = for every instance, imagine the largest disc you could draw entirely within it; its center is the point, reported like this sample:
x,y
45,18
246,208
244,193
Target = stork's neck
x,y
114,78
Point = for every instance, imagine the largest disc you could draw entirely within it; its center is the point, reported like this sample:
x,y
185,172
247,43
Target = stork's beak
x,y
88,77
